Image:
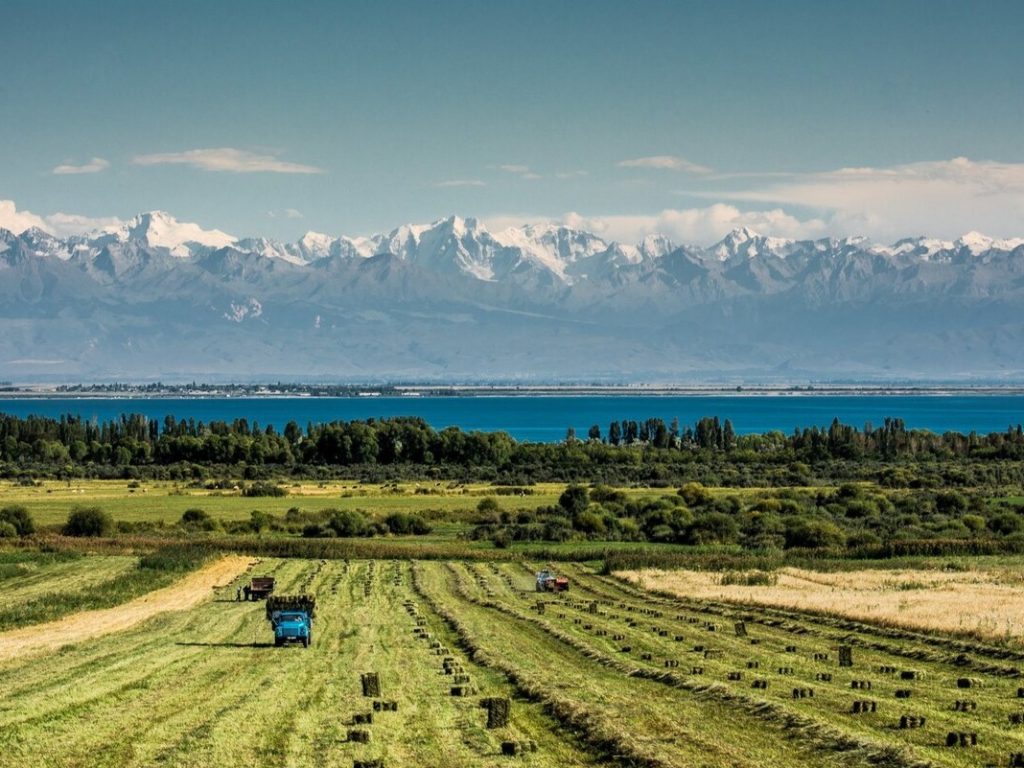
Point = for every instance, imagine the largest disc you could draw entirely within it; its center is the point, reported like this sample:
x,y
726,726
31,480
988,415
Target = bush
x,y
19,519
264,489
488,504
7,530
88,521
349,522
402,523
198,519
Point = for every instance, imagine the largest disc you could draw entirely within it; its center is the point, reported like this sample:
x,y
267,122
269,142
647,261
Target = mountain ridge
x,y
156,297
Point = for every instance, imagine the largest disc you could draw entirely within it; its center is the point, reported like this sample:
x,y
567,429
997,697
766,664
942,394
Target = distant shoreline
x,y
409,391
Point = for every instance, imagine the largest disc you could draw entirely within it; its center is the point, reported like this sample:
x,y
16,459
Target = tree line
x,y
650,451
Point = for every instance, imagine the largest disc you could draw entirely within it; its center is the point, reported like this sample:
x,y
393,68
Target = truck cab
x,y
292,627
291,618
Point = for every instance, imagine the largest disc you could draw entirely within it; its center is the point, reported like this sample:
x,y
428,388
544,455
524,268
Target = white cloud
x,y
460,183
701,226
522,171
225,159
570,174
665,163
95,165
943,198
59,224
18,221
64,224
292,213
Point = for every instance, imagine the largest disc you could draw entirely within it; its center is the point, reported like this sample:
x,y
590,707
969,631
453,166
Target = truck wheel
x,y
305,642
278,642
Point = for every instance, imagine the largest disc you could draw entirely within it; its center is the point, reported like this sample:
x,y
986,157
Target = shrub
x,y
198,519
264,489
7,530
402,523
88,521
488,504
19,518
348,522
502,539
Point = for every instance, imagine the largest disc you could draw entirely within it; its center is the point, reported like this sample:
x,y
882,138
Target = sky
x,y
796,119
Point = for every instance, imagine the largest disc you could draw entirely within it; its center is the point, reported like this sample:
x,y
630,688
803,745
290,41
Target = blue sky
x,y
796,118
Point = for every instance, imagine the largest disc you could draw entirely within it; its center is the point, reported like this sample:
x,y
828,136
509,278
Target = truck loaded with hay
x,y
259,588
291,618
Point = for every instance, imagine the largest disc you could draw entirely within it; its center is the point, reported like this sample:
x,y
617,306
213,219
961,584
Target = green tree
x,y
88,521
19,518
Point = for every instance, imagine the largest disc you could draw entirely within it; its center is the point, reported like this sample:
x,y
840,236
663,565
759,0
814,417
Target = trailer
x,y
259,588
549,582
291,618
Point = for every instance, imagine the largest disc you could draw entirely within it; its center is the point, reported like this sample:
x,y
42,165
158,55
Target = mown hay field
x,y
985,601
605,674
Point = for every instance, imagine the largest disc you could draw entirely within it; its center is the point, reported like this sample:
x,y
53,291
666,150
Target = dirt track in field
x,y
180,596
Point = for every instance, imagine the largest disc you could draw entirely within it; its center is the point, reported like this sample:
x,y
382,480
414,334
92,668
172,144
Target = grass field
x,y
607,673
51,501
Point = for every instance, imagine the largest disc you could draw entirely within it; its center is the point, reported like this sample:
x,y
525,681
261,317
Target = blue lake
x,y
545,418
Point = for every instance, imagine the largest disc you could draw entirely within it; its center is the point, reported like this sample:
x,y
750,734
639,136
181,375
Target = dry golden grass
x,y
982,603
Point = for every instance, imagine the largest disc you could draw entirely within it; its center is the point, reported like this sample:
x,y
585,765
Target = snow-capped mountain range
x,y
155,297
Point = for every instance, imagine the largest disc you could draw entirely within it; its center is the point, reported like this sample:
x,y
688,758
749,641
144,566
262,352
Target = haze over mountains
x,y
452,301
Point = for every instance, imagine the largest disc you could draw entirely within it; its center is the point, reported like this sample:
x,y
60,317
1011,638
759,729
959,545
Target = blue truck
x,y
291,618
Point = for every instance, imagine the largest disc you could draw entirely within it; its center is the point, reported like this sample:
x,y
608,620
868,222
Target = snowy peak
x,y
745,243
161,230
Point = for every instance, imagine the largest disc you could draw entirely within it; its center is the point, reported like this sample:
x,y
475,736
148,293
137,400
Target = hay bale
x,y
362,718
462,690
498,711
645,657
903,693
759,684
377,762
968,682
740,628
821,657
753,665
1017,760
696,670
671,663
785,670
803,693
912,721
863,706
359,735
961,739
823,677
910,674
964,705
845,656
592,607
371,684
861,685
735,676
790,649
1017,718
510,748
626,649
887,670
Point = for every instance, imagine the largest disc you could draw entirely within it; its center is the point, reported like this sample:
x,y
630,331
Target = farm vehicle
x,y
549,582
259,588
291,618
